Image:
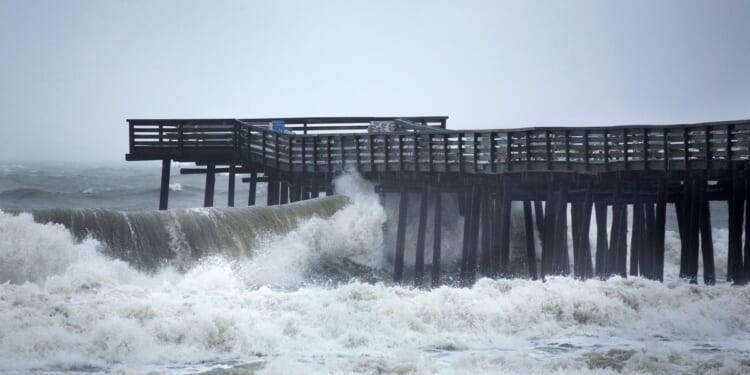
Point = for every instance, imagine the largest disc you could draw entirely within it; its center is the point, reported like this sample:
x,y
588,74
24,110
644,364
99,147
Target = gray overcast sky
x,y
71,72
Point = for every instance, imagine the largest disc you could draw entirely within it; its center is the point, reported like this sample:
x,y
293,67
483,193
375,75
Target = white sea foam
x,y
66,307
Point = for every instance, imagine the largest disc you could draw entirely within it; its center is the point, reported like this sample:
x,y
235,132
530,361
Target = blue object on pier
x,y
279,126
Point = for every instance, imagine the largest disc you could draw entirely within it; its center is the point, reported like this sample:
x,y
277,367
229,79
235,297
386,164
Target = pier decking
x,y
592,169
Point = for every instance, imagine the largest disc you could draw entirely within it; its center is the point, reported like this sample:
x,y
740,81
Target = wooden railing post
x,y
567,149
686,147
586,148
625,151
527,147
445,151
460,153
548,149
730,135
606,150
509,149
707,151
329,162
181,136
131,134
665,133
371,144
476,152
645,149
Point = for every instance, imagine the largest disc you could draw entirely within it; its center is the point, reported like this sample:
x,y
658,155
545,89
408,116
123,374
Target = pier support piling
x,y
734,256
659,228
437,238
529,232
636,236
504,209
398,263
602,247
230,186
208,193
252,189
164,189
707,246
421,233
284,192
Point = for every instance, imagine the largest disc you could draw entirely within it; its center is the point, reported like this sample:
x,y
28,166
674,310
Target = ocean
x,y
94,280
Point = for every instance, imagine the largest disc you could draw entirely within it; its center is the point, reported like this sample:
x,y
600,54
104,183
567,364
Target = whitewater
x,y
92,280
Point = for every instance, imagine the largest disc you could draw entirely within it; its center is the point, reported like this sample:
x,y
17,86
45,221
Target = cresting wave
x,y
151,239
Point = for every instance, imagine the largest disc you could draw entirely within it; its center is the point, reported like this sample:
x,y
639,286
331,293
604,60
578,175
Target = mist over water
x,y
307,290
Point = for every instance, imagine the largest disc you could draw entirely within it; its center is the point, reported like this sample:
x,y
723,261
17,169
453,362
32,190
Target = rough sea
x,y
94,280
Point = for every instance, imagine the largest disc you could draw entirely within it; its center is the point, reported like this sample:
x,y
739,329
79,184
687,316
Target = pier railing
x,y
335,144
219,138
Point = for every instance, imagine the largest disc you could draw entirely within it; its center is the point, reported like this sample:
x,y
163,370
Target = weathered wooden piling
x,y
659,228
647,258
474,216
539,217
503,238
581,224
486,254
437,238
230,185
561,262
398,263
734,256
529,234
617,254
707,246
283,192
252,189
272,192
636,235
419,254
466,233
208,194
548,237
164,190
602,247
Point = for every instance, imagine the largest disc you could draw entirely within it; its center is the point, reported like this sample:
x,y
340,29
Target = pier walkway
x,y
560,175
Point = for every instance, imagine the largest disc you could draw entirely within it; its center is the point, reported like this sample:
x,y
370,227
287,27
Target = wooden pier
x,y
623,170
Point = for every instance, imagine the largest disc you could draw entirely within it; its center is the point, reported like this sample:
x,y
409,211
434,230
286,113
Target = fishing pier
x,y
561,175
